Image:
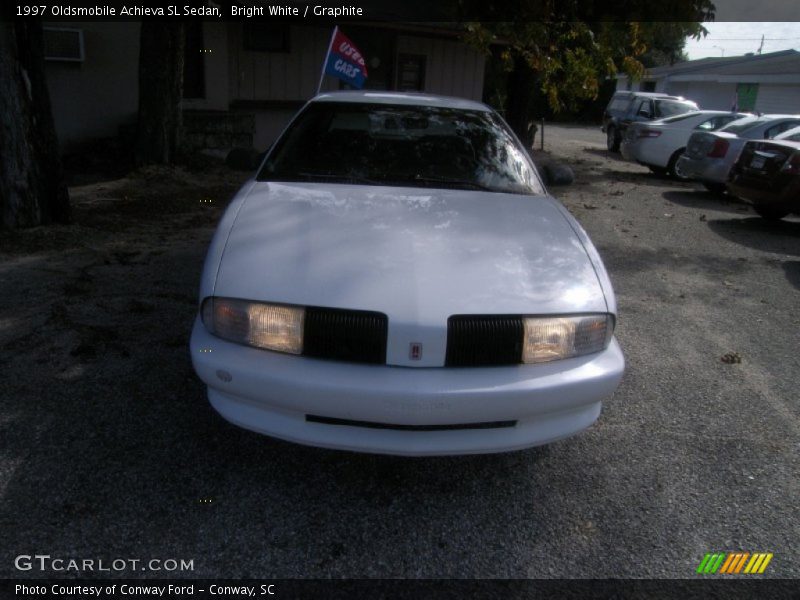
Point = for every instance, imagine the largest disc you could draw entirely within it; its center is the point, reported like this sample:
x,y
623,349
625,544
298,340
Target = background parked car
x,y
659,144
767,174
709,156
628,107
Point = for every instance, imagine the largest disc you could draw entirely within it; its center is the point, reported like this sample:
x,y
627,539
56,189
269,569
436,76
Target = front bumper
x,y
273,393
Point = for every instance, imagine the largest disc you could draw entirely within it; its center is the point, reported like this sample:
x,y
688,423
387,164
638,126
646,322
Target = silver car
x,y
709,156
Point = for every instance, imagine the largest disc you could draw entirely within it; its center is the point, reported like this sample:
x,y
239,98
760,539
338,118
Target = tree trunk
x,y
521,80
32,189
160,92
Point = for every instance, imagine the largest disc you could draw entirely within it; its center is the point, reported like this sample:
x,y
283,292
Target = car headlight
x,y
270,326
554,338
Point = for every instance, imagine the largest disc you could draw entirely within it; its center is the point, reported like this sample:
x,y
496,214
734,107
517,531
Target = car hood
x,y
417,255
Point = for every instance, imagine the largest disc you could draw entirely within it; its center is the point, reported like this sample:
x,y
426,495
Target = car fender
x,y
220,240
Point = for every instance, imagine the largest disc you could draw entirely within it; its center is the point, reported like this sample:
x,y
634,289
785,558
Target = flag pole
x,y
325,62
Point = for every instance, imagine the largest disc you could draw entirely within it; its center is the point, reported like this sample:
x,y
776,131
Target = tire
x,y
715,188
612,139
771,213
673,164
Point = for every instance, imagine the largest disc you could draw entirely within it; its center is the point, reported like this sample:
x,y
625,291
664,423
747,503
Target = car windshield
x,y
399,145
670,108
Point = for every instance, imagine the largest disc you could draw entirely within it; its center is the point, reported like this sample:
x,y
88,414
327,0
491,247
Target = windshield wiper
x,y
337,176
448,181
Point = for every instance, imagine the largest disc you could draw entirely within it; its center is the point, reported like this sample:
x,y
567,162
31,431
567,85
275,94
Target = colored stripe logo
x,y
734,563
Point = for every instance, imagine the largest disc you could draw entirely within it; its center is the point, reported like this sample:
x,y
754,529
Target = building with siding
x,y
766,83
244,80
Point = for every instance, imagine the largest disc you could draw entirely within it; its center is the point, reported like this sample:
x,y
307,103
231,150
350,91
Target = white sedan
x,y
659,144
397,280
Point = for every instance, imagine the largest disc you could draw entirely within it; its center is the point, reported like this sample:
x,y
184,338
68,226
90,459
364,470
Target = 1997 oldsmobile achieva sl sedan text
x,y
397,280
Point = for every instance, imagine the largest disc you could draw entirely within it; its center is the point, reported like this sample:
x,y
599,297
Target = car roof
x,y
404,98
645,94
786,143
708,113
757,119
772,117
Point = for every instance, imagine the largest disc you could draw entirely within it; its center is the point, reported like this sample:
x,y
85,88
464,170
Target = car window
x,y
643,105
780,128
669,108
400,145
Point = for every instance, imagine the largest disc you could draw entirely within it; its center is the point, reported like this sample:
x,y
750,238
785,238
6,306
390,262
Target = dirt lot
x,y
109,449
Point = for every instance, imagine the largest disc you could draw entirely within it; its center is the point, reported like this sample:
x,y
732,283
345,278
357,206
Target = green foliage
x,y
571,59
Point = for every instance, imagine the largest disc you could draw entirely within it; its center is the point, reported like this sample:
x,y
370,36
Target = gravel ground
x,y
108,448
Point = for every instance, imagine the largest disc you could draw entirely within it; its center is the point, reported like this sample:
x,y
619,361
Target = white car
x,y
659,144
396,279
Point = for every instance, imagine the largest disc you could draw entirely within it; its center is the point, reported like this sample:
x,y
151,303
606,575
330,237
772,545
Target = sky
x,y
738,38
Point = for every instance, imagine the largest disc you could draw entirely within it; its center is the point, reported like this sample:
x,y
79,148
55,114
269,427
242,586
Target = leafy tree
x,y
565,61
665,43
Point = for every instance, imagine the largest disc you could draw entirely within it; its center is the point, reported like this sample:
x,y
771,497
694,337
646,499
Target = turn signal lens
x,y
270,326
556,338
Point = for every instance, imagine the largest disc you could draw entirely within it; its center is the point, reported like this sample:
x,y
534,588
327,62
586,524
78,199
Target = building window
x,y
411,73
648,86
265,37
63,44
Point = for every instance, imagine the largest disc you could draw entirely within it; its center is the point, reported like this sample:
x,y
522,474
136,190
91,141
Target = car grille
x,y
349,335
374,425
482,341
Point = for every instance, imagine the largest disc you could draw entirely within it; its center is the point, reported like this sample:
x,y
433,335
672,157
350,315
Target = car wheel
x,y
771,213
716,188
674,169
612,139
